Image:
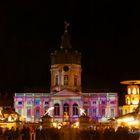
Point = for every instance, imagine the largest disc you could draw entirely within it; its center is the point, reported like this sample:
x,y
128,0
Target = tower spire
x,y
66,26
65,44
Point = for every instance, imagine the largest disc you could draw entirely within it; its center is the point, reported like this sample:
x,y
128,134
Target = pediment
x,y
66,92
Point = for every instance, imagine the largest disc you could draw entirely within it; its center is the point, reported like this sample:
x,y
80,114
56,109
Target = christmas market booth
x,y
9,118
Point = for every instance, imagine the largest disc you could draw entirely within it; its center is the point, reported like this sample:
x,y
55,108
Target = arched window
x,y
75,109
65,80
127,100
66,108
134,91
56,109
129,91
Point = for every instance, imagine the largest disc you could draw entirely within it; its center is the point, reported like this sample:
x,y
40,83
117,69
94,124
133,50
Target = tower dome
x,y
66,54
66,66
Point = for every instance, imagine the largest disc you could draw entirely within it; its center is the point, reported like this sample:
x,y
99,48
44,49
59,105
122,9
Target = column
x,y
70,110
98,108
61,110
24,106
42,105
51,105
33,111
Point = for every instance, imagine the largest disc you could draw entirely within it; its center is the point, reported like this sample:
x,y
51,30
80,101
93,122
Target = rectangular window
x,y
112,102
46,103
103,102
28,112
56,109
65,80
20,102
56,80
94,111
37,101
37,113
75,80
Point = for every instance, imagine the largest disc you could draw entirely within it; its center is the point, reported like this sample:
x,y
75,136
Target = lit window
x,y
65,79
56,109
66,108
56,80
135,101
129,91
75,109
37,113
134,91
37,101
75,80
112,102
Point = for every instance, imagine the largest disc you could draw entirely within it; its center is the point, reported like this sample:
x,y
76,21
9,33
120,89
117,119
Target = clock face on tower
x,y
66,68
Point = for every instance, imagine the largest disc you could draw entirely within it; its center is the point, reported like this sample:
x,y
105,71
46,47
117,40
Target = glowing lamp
x,y
135,102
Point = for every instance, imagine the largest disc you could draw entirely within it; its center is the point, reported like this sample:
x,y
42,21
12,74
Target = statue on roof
x,y
65,44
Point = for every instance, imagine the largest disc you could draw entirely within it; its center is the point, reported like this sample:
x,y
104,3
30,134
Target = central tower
x,y
66,66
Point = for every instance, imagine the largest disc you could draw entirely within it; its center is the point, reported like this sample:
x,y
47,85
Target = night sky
x,y
107,33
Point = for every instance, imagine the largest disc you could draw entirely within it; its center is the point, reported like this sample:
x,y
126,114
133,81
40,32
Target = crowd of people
x,y
122,133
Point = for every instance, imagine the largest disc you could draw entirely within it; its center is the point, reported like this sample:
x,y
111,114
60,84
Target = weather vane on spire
x,y
66,25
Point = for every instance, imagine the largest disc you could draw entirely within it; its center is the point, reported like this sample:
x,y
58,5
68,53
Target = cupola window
x,y
65,80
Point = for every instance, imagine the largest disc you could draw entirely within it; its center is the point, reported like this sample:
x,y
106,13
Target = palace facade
x,y
66,97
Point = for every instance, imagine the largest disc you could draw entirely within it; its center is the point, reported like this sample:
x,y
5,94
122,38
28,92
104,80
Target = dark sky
x,y
107,33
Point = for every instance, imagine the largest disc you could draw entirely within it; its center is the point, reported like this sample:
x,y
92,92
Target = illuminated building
x,y
9,118
66,95
132,97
